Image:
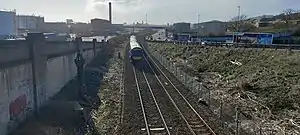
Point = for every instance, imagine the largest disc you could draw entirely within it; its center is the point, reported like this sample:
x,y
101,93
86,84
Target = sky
x,y
158,11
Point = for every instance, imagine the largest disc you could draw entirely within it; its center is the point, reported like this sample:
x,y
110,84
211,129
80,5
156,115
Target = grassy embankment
x,y
270,77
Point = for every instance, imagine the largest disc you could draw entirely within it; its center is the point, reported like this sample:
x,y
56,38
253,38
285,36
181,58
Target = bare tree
x,y
239,18
297,12
238,23
288,13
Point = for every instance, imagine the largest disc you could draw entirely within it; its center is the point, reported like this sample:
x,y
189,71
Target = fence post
x,y
193,86
181,76
167,64
94,47
173,68
199,91
260,130
209,92
184,78
176,74
221,108
160,58
237,120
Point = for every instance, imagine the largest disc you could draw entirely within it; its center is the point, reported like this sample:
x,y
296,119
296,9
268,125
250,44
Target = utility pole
x,y
146,18
238,24
198,30
239,18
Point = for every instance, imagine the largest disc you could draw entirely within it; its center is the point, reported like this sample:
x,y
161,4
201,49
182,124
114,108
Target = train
x,y
136,51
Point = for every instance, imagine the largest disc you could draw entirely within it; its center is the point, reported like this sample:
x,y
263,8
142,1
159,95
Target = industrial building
x,y
80,28
83,29
56,27
100,27
8,25
211,28
29,23
182,27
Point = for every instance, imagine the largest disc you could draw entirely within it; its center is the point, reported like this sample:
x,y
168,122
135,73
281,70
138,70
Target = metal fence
x,y
230,115
236,45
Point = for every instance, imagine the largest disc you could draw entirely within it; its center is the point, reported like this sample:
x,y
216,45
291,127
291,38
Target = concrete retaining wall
x,y
17,85
16,97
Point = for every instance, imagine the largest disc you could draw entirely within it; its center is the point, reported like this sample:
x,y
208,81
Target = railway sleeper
x,y
202,131
197,126
205,134
158,129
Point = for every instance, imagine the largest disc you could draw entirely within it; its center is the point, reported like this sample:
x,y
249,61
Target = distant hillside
x,y
289,21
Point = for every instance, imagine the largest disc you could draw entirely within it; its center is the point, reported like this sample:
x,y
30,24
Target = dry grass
x,y
272,77
107,117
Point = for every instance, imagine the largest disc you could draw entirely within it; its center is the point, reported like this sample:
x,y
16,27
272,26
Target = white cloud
x,y
159,11
163,11
120,7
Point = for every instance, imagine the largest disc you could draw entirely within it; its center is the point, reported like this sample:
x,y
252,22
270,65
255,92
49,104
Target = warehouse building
x,y
8,27
211,28
100,27
29,23
182,27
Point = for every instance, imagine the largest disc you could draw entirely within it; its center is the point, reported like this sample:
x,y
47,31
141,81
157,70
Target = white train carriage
x,y
136,51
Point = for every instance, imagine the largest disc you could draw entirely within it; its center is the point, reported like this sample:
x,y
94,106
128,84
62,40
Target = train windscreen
x,y
137,52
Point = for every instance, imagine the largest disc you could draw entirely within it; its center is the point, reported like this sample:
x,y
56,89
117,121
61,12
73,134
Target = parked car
x,y
204,43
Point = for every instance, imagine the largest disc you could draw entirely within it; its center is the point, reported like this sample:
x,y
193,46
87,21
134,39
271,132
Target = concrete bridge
x,y
34,70
147,26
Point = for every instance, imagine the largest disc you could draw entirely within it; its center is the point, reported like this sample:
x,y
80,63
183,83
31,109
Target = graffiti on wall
x,y
17,107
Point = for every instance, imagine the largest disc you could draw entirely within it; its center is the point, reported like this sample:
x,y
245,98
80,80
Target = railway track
x,y
194,122
154,120
160,108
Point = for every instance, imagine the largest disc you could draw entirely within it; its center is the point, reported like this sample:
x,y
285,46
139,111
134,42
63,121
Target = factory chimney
x,y
110,14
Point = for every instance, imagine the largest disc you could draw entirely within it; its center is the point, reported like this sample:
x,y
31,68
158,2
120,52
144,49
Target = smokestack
x,y
110,14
